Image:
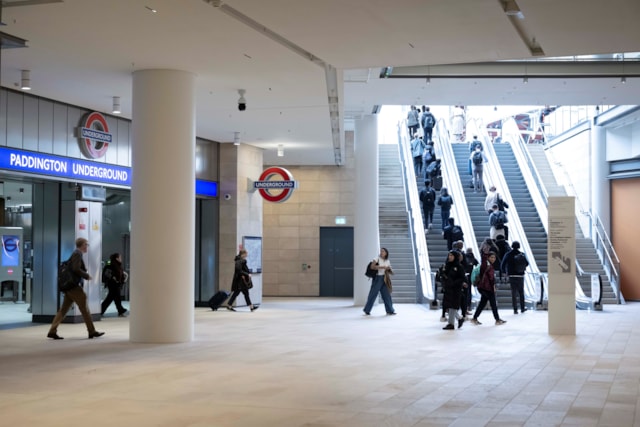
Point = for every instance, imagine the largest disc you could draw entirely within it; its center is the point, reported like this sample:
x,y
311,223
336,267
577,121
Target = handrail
x,y
416,225
608,256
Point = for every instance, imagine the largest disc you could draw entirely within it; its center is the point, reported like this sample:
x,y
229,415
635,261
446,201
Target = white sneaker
x,y
500,322
443,319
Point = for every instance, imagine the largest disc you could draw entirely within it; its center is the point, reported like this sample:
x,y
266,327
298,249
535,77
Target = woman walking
x,y
487,289
452,278
378,284
241,280
113,277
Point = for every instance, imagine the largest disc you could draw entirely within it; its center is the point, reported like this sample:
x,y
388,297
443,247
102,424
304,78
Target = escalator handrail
x,y
416,225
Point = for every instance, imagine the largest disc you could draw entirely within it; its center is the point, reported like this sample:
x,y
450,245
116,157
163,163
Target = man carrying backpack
x,y
428,199
428,122
452,233
514,265
497,221
477,163
417,147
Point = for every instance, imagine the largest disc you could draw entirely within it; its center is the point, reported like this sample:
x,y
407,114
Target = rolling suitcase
x,y
217,299
437,183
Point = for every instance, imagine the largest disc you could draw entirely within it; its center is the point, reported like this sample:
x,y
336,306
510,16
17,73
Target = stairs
x,y
531,223
394,225
585,250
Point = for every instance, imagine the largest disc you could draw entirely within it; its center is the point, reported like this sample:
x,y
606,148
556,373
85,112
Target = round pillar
x,y
162,206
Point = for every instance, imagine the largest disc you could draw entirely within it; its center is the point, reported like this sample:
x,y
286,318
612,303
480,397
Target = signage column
x,y
162,206
561,256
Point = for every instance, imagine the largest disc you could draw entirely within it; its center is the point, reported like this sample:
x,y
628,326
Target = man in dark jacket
x,y
76,294
452,233
514,265
428,199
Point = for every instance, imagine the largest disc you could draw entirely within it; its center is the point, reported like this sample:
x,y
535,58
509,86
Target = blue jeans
x,y
445,217
378,286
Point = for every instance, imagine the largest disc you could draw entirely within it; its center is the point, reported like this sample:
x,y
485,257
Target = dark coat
x,y
452,277
77,267
241,269
113,274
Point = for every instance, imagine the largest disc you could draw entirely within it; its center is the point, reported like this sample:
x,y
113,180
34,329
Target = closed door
x,y
336,261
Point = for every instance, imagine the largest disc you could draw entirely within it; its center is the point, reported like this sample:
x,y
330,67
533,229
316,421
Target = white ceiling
x,y
83,52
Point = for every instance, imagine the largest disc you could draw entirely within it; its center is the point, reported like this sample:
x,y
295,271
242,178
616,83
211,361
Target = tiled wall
x,y
291,229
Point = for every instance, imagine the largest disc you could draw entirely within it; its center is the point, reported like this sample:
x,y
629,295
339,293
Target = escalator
x,y
531,222
478,215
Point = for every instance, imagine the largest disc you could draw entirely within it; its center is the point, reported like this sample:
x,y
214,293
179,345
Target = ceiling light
x,y
150,9
236,138
623,80
116,105
280,150
525,80
428,80
25,81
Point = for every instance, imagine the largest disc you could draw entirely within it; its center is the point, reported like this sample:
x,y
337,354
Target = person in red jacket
x,y
487,289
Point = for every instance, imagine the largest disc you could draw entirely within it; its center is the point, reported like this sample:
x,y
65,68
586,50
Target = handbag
x,y
248,283
372,270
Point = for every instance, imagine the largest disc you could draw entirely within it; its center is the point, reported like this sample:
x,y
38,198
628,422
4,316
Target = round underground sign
x,y
274,190
94,136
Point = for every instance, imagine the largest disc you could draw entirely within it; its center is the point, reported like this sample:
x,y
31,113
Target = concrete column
x,y
162,206
600,189
366,228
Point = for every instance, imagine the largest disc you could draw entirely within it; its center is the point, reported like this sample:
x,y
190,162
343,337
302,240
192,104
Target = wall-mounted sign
x,y
80,170
63,167
276,190
94,135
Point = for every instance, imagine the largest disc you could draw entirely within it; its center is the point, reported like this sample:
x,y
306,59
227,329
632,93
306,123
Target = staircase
x,y
531,223
585,251
394,225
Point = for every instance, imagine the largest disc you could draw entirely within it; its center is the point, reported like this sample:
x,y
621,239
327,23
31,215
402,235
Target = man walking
x,y
514,265
477,162
428,199
76,293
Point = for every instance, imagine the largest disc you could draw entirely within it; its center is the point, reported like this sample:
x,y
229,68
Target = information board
x,y
253,245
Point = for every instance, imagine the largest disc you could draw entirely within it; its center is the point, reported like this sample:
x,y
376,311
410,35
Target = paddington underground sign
x,y
62,167
80,170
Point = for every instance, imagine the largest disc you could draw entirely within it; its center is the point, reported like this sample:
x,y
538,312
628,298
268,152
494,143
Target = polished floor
x,y
314,362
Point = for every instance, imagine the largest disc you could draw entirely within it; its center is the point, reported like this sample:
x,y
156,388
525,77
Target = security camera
x,y
227,196
242,103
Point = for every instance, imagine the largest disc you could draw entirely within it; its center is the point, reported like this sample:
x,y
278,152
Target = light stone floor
x,y
318,362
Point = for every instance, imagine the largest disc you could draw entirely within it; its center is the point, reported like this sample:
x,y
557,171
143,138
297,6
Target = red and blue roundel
x,y
282,189
94,136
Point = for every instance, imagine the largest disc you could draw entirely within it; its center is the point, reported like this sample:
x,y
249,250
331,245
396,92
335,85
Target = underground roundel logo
x,y
94,136
276,190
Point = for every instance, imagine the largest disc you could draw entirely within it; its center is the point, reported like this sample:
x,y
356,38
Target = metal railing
x,y
607,255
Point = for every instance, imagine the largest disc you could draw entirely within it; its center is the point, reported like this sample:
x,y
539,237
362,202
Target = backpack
x,y
520,264
499,223
477,158
428,121
107,274
445,202
427,197
66,279
456,233
475,275
428,155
